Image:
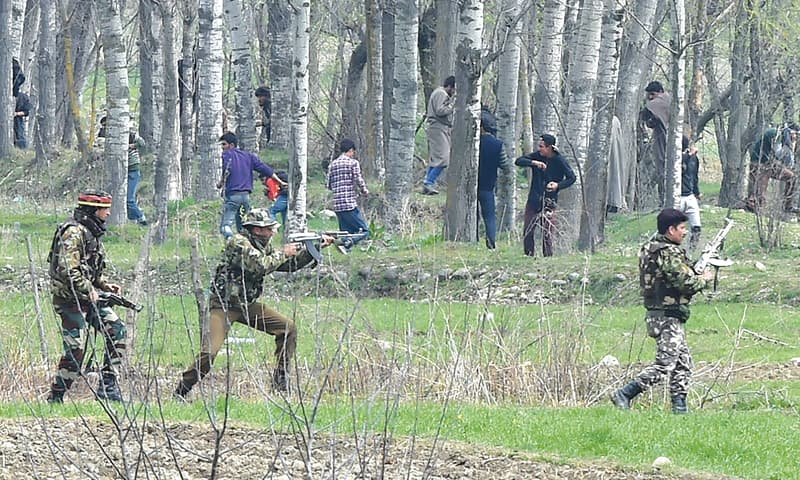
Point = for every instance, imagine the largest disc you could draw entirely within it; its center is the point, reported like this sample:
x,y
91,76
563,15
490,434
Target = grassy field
x,y
512,354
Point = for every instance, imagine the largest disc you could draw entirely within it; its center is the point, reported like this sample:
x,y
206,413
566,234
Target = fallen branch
x,y
766,339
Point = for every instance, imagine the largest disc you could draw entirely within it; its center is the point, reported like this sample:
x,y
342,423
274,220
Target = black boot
x,y
679,404
181,392
622,397
56,396
280,380
108,388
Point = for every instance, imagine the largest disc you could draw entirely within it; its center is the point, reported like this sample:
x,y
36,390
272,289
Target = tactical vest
x,y
651,279
92,261
235,286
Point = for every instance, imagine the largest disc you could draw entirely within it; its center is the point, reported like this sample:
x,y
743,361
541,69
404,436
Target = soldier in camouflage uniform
x,y
668,283
248,257
77,264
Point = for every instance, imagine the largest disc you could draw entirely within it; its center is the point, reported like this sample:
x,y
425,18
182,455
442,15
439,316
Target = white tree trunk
x,y
461,209
118,110
596,169
43,133
16,26
637,30
400,160
242,65
209,97
280,70
674,161
578,123
149,85
29,38
508,74
547,94
186,93
167,172
298,161
374,113
7,101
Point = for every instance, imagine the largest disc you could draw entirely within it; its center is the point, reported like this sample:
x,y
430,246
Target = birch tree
x,y
374,113
242,64
44,131
298,160
6,98
447,13
461,208
400,159
148,73
596,171
638,30
118,117
508,74
547,94
186,93
581,89
167,172
16,23
280,69
672,192
209,97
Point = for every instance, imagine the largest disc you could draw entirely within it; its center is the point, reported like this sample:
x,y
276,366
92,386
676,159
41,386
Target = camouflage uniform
x,y
237,283
668,283
77,264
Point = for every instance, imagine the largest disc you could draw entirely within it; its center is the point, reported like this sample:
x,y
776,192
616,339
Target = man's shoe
x,y
793,210
280,380
55,397
429,190
143,222
622,397
679,406
108,388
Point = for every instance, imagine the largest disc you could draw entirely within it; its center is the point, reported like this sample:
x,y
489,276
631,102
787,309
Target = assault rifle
x,y
109,299
311,241
710,255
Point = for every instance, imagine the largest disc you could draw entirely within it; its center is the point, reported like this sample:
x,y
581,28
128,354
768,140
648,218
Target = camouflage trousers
x,y
74,322
673,358
257,316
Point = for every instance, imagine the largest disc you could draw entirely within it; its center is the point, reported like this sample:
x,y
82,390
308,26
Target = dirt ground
x,y
89,449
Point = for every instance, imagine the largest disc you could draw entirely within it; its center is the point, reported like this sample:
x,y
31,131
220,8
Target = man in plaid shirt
x,y
346,182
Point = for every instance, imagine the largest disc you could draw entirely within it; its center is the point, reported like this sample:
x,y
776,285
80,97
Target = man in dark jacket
x,y
492,157
690,190
551,174
655,115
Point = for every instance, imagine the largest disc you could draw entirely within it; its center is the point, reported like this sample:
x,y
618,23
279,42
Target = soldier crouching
x,y
248,257
668,283
77,264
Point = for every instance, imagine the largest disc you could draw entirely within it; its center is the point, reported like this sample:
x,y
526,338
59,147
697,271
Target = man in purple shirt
x,y
345,181
237,177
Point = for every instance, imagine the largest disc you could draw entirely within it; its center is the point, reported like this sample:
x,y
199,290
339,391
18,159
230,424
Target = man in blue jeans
x,y
135,142
346,182
492,157
237,178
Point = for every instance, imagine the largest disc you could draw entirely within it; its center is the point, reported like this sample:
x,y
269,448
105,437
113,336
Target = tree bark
x,y
596,171
16,24
6,99
461,208
280,70
241,59
167,171
353,108
447,12
400,159
44,131
547,94
148,45
581,87
298,160
388,72
118,111
673,165
508,81
209,97
374,164
187,92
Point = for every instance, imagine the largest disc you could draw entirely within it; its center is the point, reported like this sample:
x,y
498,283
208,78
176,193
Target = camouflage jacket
x,y
666,277
77,262
239,277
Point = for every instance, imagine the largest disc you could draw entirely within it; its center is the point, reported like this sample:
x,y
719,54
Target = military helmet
x,y
260,217
94,198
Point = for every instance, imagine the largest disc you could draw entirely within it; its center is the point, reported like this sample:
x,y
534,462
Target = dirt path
x,y
65,448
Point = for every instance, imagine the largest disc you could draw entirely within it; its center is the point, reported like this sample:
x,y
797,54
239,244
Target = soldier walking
x,y
77,264
668,283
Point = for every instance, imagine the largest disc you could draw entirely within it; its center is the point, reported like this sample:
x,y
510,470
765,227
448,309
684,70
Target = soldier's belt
x,y
673,313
